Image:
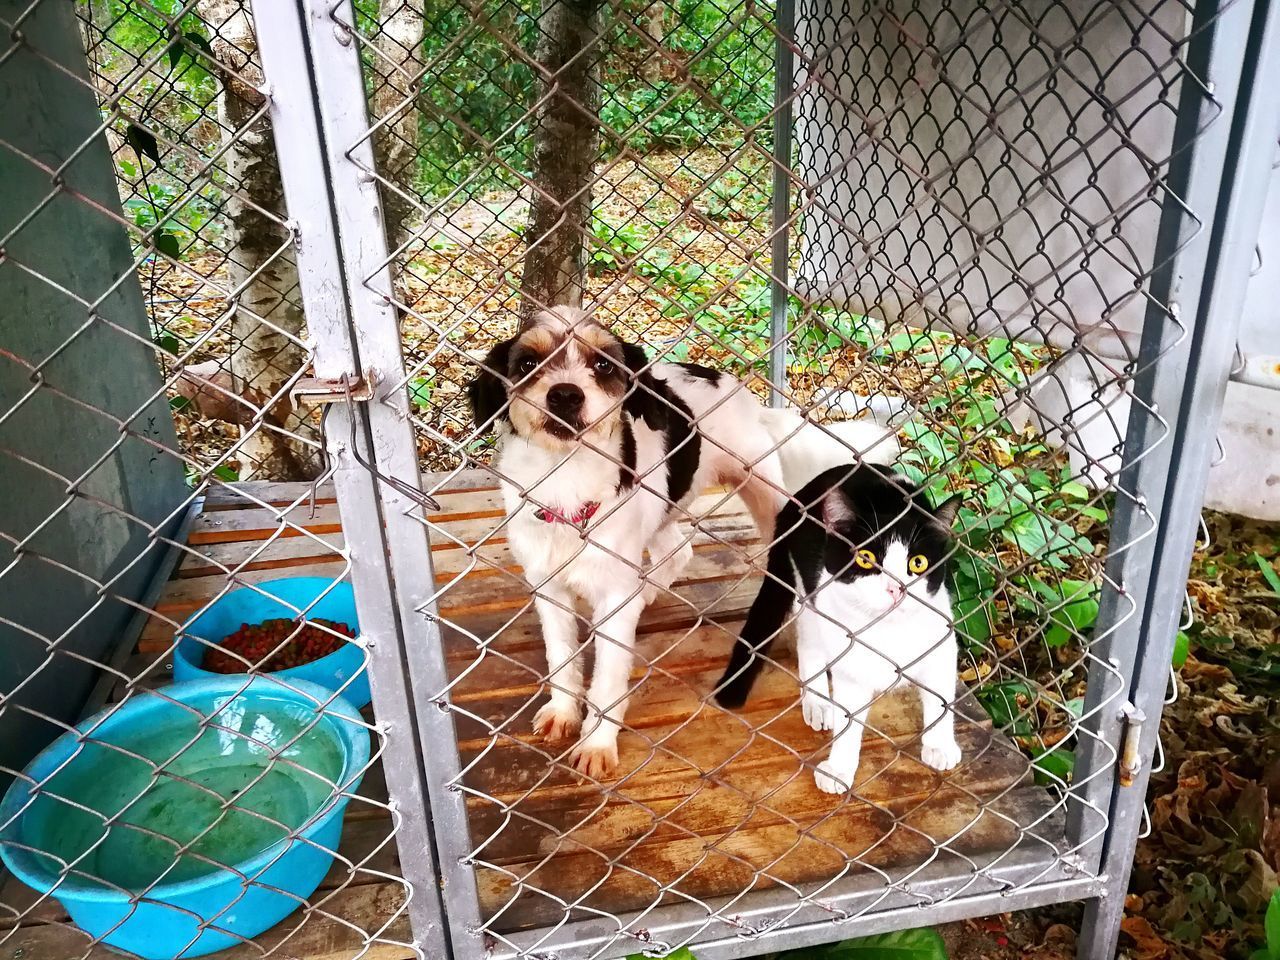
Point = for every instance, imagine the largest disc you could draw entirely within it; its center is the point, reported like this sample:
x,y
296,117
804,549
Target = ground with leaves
x,y
1203,877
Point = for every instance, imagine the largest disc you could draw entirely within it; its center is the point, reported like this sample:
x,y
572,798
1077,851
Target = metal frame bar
x,y
310,184
784,76
773,920
365,263
1195,408
1202,130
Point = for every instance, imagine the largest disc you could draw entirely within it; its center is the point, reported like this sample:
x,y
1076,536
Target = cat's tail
x,y
768,613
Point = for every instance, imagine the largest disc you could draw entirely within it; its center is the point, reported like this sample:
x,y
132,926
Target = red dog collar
x,y
577,518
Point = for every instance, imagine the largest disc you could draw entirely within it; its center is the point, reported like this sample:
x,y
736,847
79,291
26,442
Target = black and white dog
x,y
600,454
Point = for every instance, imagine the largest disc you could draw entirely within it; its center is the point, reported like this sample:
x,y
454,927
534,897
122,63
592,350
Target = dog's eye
x,y
865,559
526,366
604,366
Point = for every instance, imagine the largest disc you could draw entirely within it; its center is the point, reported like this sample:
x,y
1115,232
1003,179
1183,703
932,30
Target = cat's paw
x,y
819,712
650,593
940,756
831,779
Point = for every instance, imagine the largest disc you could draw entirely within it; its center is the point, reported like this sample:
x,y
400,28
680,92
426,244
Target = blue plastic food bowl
x,y
281,598
163,767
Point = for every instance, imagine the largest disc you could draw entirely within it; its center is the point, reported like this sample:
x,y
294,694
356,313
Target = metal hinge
x,y
1131,743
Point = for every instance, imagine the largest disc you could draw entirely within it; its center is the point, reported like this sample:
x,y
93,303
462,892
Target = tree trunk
x,y
651,68
267,320
565,143
397,76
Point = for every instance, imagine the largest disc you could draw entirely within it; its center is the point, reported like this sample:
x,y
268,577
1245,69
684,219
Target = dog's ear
x,y
644,395
488,391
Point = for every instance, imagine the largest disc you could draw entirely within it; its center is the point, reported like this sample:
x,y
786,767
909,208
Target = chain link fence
x,y
950,239
153,341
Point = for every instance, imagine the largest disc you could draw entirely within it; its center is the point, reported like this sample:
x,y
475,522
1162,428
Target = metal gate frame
x,y
311,57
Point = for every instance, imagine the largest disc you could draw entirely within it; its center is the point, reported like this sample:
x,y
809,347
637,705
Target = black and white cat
x,y
866,560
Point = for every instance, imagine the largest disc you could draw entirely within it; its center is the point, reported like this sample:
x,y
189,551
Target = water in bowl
x,y
217,793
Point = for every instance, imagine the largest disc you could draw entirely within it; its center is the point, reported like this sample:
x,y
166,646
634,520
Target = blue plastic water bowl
x,y
189,818
342,671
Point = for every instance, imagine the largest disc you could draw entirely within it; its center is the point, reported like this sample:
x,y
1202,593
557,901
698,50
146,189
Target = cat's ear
x,y
945,512
835,509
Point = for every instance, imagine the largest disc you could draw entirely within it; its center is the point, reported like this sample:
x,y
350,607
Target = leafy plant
x,y
1271,928
923,943
1268,572
420,393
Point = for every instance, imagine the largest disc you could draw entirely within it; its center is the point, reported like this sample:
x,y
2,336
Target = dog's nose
x,y
565,398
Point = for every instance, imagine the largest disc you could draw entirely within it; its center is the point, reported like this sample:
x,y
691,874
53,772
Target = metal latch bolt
x,y
1131,744
319,390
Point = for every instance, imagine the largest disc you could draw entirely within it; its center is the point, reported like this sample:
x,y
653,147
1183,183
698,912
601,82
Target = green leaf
x,y
226,473
420,392
1268,572
1272,926
199,42
1073,608
178,403
168,244
1054,766
1000,700
167,341
143,142
1181,647
682,953
922,944
973,619
1074,490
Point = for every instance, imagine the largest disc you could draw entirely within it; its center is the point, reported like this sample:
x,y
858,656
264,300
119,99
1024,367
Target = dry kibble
x,y
257,644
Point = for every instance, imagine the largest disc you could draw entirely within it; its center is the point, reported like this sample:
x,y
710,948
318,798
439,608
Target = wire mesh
x,y
970,222
160,472
976,194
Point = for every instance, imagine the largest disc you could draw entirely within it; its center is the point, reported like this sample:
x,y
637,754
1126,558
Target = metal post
x,y
365,262
287,64
1192,186
783,89
1189,384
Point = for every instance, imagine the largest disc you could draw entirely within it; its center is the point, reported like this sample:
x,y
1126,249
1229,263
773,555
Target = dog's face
x,y
562,379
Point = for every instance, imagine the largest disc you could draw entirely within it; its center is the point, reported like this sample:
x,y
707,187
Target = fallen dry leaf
x,y
1149,944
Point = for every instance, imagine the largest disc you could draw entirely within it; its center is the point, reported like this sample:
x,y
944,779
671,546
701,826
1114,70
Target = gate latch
x,y
319,390
1131,743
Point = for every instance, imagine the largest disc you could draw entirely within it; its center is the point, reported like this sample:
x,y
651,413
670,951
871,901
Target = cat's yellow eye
x,y
865,559
918,564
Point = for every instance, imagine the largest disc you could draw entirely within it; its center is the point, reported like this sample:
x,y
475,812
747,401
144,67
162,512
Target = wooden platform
x,y
706,804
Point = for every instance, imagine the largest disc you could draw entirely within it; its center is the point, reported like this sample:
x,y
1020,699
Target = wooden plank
x,y
353,914
223,496
713,802
720,549
739,861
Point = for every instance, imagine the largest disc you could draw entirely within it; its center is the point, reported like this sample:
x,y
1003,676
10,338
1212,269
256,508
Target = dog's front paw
x,y
940,756
594,760
819,712
557,721
831,779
